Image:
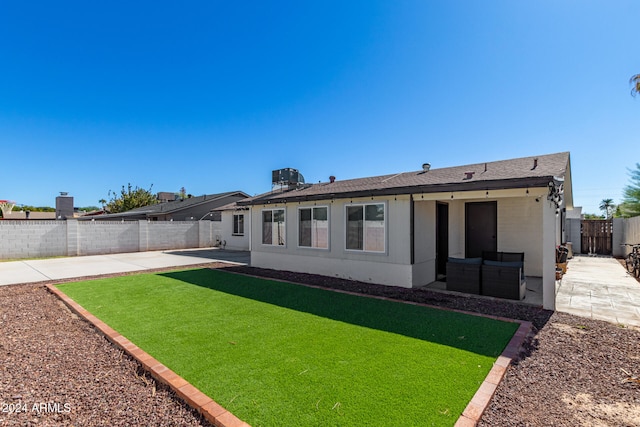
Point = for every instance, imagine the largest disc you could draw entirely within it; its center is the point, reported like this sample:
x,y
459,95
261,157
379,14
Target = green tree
x,y
183,193
17,208
630,205
130,198
592,216
635,84
608,207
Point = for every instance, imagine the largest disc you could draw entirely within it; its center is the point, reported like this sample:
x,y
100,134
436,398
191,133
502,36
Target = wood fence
x,y
596,236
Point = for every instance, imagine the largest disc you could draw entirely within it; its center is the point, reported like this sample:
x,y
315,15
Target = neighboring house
x,y
24,215
189,209
400,229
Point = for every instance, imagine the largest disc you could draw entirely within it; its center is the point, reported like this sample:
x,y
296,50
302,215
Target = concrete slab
x,y
19,272
599,288
15,272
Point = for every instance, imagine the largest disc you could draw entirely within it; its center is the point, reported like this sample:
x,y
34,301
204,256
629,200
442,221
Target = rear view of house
x,y
400,229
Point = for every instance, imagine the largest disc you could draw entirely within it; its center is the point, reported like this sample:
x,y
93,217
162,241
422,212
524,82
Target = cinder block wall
x,y
172,235
37,239
107,237
32,239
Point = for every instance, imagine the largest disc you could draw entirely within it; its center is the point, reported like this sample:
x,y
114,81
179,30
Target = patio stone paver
x,y
599,288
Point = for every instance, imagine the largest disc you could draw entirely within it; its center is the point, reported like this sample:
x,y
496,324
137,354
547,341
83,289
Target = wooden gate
x,y
596,236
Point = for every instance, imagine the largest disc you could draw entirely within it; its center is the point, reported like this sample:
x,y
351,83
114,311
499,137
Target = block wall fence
x,y
37,239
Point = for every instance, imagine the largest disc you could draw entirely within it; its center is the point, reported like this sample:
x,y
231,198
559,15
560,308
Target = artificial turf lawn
x,y
276,353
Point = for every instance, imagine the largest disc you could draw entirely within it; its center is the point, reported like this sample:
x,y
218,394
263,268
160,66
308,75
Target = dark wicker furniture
x,y
463,275
496,274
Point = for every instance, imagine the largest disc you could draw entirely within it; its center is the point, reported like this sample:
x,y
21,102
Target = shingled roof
x,y
173,207
534,171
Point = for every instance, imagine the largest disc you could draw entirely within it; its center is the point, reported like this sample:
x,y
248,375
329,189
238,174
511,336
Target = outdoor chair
x,y
503,279
463,275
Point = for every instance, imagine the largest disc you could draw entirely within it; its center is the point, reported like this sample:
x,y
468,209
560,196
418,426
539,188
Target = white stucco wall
x,y
524,225
519,228
234,242
393,266
424,269
519,225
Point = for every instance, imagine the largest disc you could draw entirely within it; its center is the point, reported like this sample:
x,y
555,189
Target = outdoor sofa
x,y
495,274
463,275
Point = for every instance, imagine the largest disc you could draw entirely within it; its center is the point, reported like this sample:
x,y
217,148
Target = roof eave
x,y
541,181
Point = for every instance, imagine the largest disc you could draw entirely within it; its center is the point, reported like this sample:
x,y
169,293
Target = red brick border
x,y
220,417
212,411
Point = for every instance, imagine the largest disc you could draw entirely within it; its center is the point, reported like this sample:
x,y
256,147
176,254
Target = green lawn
x,y
275,353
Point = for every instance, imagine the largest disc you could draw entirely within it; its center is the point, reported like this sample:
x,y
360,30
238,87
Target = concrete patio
x,y
38,270
599,288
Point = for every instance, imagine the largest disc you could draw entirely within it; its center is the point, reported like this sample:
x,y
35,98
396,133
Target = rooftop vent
x,y
332,179
468,175
426,167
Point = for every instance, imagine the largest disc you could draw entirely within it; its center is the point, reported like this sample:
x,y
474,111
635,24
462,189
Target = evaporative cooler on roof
x,y
286,176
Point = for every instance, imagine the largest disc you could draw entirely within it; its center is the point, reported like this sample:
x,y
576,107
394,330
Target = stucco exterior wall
x,y
524,224
519,221
519,225
234,242
393,266
424,269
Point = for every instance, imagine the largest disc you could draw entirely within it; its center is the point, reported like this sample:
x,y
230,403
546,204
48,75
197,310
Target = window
x,y
366,227
238,225
313,227
273,227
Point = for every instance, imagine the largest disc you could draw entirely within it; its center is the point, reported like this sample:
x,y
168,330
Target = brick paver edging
x,y
212,411
220,417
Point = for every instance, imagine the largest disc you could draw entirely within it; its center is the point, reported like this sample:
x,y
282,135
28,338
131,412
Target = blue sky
x,y
212,96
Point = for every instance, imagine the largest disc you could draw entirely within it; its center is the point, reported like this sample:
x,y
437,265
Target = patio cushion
x,y
503,256
518,264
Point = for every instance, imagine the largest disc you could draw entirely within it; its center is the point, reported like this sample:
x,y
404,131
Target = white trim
x,y
284,227
385,221
233,225
328,248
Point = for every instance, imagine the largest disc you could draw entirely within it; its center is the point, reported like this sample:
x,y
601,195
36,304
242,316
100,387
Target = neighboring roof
x,y
534,171
174,206
33,215
230,207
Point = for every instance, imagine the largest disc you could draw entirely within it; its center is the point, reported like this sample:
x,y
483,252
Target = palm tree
x,y
635,84
607,206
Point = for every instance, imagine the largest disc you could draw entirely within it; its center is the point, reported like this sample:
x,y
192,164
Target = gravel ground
x,y
60,372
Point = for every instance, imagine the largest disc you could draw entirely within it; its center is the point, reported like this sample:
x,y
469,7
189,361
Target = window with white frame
x,y
313,227
238,224
365,230
273,227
